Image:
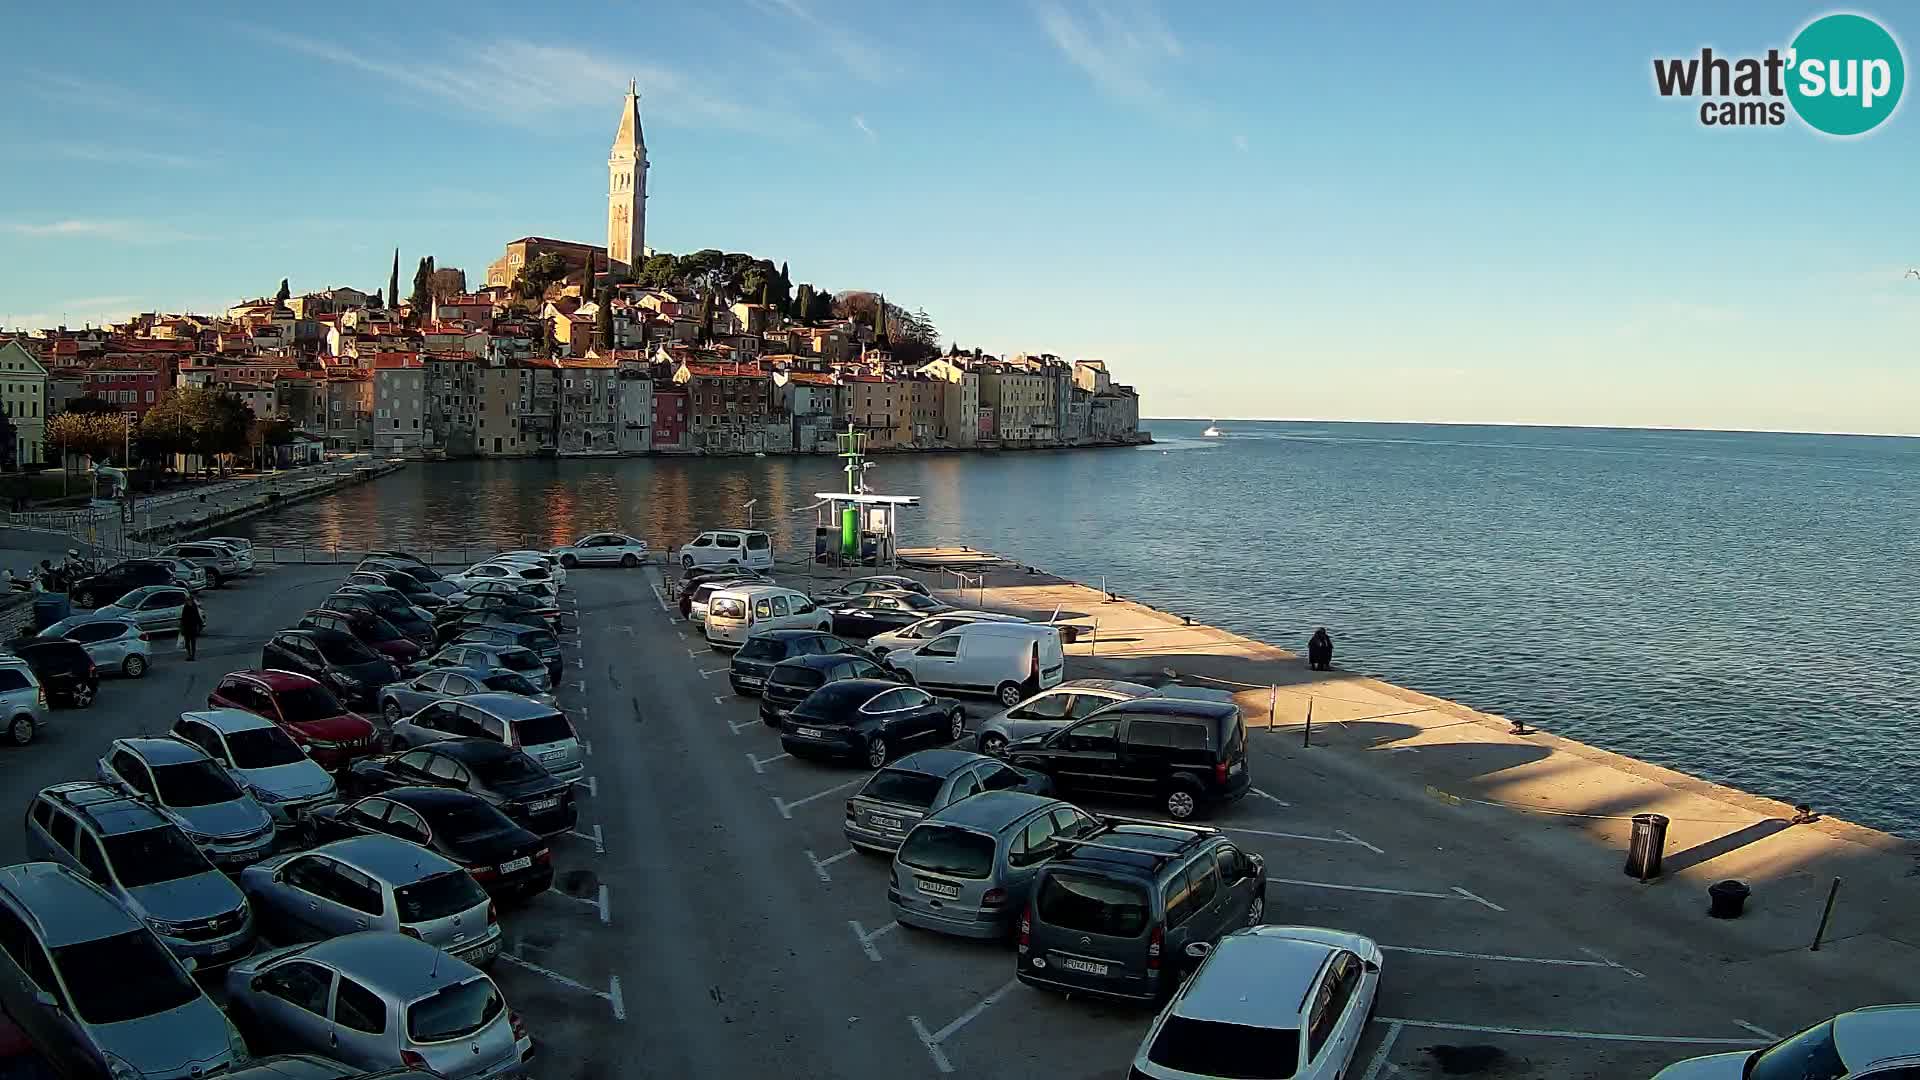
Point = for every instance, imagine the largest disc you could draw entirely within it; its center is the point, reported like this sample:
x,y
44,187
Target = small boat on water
x,y
1213,431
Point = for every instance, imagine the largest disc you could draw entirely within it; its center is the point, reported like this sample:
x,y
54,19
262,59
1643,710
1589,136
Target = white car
x,y
1236,1016
500,571
1881,1042
542,591
218,560
261,758
114,644
929,628
153,608
537,559
603,549
241,546
719,547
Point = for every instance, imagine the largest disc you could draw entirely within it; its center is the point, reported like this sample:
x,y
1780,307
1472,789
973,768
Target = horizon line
x,y
1536,424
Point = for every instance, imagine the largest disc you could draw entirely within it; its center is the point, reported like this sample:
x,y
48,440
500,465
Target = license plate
x,y
1087,966
539,805
891,824
482,953
748,680
809,732
938,888
553,755
516,864
239,857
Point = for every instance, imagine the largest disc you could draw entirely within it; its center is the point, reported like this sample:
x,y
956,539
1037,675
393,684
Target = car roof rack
x,y
1116,819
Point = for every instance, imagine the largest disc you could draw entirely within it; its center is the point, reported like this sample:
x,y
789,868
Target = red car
x,y
304,709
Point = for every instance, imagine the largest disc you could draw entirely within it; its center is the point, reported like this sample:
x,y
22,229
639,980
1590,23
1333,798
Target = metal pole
x,y
1306,733
1825,915
1273,704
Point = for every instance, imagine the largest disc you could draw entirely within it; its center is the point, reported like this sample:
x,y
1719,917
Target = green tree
x,y
703,267
603,319
803,304
88,403
447,281
393,282
282,296
820,307
378,300
422,296
706,316
783,290
96,435
660,272
539,275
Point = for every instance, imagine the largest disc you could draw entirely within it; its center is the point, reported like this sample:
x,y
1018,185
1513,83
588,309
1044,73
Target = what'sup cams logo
x,y
1842,75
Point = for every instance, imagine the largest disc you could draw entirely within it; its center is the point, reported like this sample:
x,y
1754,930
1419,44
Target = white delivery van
x,y
723,547
738,612
1005,660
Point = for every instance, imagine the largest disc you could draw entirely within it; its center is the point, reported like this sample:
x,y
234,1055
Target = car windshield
x,y
509,682
728,607
943,849
1092,905
798,675
151,856
511,768
902,788
344,650
421,573
520,660
305,704
1229,1051
541,730
194,783
123,977
917,602
762,648
537,639
438,897
262,748
376,630
468,817
455,1012
1809,1055
835,698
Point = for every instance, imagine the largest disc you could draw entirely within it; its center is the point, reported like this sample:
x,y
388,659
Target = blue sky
x,y
1392,212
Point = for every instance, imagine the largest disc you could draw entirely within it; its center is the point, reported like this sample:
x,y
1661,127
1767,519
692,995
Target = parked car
x,y
879,612
372,631
262,758
191,790
406,557
716,547
64,668
505,858
539,641
425,576
416,592
532,594
19,1059
147,864
603,549
103,997
913,634
736,612
876,583
696,600
1292,1000
512,782
748,669
186,574
504,617
501,571
1007,661
402,699
1879,1042
23,702
116,580
219,561
725,575
378,1001
1052,709
526,609
1187,756
538,728
1117,911
792,680
388,604
354,671
894,799
967,869
242,549
869,720
303,707
373,882
116,645
155,609
476,655
545,560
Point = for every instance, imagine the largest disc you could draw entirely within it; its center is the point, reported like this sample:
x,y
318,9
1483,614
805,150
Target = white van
x,y
737,613
1008,661
721,547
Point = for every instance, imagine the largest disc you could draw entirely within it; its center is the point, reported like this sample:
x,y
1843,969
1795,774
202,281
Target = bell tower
x,y
627,188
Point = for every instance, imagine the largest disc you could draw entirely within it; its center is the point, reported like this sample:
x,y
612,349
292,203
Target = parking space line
x,y
611,995
715,671
1540,1033
1370,889
1508,959
1758,1030
582,684
933,1048
1616,965
592,785
698,652
760,764
662,597
1379,1060
1270,798
579,661
786,808
570,896
820,865
1352,839
584,744
682,633
866,940
718,700
606,912
736,725
599,844
1481,900
932,1041
1300,836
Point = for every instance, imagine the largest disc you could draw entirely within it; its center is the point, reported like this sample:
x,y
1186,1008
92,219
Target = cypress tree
x,y
393,281
786,290
284,293
603,319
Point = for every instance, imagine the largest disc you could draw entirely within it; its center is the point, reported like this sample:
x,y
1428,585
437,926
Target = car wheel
x,y
686,562
392,711
214,579
629,560
876,751
569,561
1010,694
956,725
1181,802
85,598
993,745
83,695
1257,911
20,731
134,666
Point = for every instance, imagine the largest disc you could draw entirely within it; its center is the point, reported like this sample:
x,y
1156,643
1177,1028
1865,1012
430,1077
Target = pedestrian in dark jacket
x,y
1320,650
191,623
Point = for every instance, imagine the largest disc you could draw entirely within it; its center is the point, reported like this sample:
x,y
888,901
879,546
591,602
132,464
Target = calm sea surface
x,y
1732,605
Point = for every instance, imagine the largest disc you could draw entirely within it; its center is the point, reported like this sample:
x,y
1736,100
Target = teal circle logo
x,y
1846,74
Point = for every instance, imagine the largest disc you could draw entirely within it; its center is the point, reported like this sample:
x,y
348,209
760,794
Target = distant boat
x,y
1213,431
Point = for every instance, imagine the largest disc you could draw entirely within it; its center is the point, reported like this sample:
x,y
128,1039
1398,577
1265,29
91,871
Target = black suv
x,y
352,670
63,668
117,580
790,681
751,664
1119,911
1186,755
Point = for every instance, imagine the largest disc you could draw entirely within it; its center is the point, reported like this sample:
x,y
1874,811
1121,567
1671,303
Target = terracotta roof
x,y
810,378
392,361
589,362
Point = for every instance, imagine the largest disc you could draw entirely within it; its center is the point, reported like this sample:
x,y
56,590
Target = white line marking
x,y
715,671
1592,1036
759,765
616,999
580,662
1264,795
698,652
662,597
1497,956
611,995
606,913
1352,839
569,896
582,684
970,1015
786,808
599,843
682,633
866,940
1616,965
820,865
737,725
718,700
592,783
1379,1060
1481,900
1362,888
933,1048
1295,836
1758,1030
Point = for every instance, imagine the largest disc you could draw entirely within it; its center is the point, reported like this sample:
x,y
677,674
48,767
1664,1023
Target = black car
x,y
387,604
869,720
876,583
1187,755
503,857
423,575
517,603
500,617
117,580
415,590
64,669
352,670
878,613
508,779
748,670
791,680
373,631
395,556
536,638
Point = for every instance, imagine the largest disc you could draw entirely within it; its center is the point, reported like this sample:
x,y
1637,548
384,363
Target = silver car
x,y
374,882
186,573
23,702
105,997
218,560
398,700
378,1001
603,549
242,549
145,862
476,654
114,644
191,790
894,799
1051,709
262,758
542,731
149,607
967,870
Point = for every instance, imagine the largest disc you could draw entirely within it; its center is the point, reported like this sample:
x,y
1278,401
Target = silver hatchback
x,y
925,782
191,790
539,730
968,869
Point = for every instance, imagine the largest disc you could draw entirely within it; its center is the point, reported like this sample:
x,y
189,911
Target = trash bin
x,y
1727,899
1647,846
49,608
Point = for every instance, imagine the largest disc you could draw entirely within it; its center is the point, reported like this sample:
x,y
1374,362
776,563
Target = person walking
x,y
191,623
1320,650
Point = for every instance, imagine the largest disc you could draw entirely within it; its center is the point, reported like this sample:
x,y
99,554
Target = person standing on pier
x,y
191,623
1320,650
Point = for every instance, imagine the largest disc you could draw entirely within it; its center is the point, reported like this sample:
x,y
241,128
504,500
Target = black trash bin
x,y
1647,846
49,608
1727,899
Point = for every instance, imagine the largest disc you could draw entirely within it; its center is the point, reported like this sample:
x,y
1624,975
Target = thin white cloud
x,y
858,55
1122,45
123,155
130,232
861,123
1240,143
102,95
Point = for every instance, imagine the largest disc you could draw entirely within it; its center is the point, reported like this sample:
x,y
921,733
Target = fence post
x,y
1825,914
1306,733
1273,704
